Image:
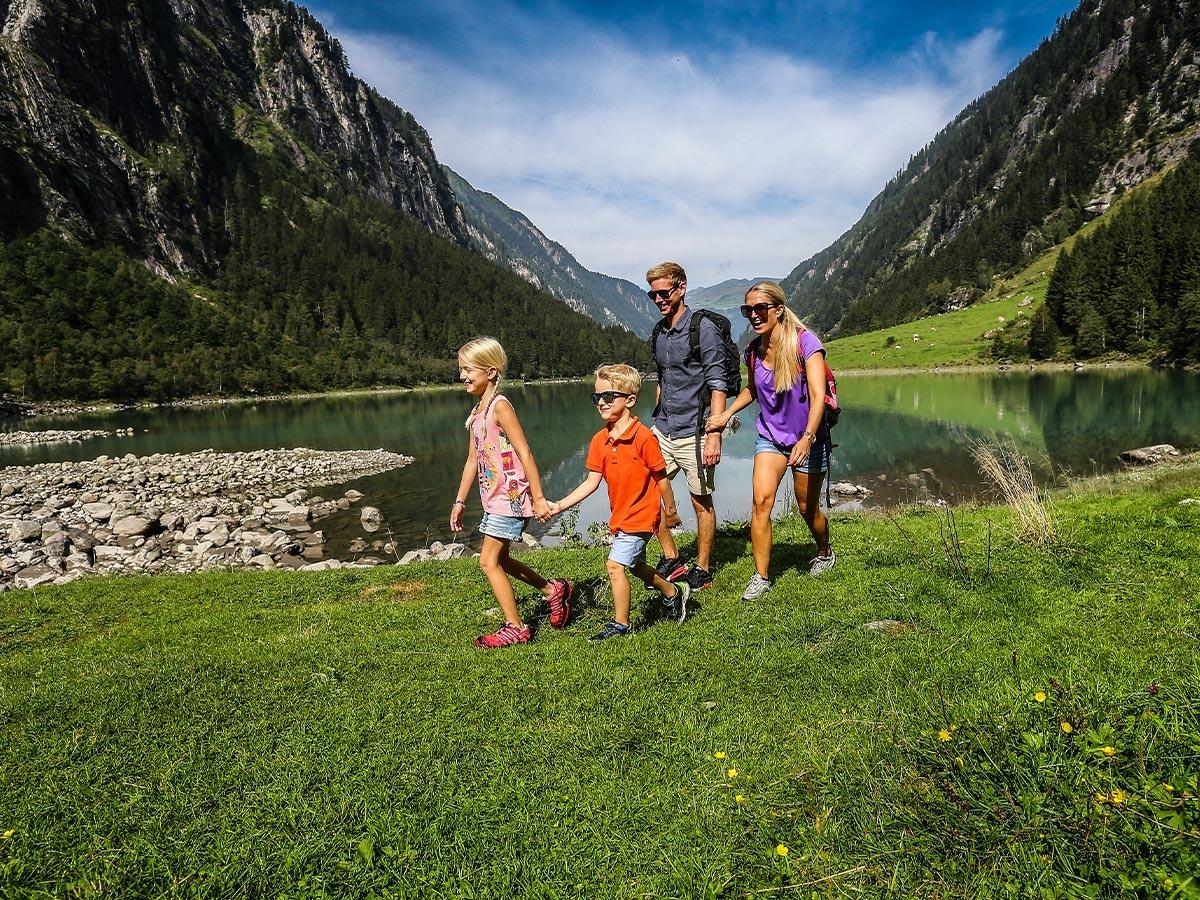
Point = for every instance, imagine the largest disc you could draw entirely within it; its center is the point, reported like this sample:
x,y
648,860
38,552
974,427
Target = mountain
x,y
1111,99
725,296
300,228
507,237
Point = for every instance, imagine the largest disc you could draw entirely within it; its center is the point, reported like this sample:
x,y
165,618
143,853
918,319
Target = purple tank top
x,y
782,417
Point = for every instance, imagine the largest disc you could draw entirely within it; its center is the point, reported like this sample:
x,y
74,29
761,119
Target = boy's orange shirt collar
x,y
626,435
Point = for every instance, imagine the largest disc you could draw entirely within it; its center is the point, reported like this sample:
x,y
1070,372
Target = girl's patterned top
x,y
503,485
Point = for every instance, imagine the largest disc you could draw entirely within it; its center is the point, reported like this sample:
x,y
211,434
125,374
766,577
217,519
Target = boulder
x,y
847,489
353,495
34,576
133,526
101,512
371,515
1145,456
24,531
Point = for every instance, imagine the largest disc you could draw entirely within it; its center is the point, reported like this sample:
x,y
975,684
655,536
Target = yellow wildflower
x,y
782,849
1168,787
720,754
943,735
732,773
1109,751
1066,727
740,798
958,761
8,833
1117,797
1101,797
1039,696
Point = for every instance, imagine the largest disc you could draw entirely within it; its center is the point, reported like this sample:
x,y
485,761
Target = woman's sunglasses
x,y
608,397
758,309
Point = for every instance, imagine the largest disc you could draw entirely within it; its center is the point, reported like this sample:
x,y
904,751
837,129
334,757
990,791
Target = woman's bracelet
x,y
809,434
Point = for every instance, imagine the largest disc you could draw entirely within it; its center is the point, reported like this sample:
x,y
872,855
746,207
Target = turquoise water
x,y
894,426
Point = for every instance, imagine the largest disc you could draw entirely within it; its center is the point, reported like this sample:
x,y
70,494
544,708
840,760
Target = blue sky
x,y
737,138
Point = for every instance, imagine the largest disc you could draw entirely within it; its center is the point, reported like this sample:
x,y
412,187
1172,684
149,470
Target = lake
x,y
905,437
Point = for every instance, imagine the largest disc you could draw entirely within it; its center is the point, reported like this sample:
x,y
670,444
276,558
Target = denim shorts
x,y
818,456
506,528
629,549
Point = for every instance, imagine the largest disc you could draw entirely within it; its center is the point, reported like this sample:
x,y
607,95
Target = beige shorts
x,y
685,453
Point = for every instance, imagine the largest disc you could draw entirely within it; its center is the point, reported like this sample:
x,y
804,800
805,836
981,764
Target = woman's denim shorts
x,y
629,549
818,456
506,528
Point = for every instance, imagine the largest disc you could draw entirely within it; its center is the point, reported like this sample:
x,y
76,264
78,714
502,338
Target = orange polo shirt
x,y
627,465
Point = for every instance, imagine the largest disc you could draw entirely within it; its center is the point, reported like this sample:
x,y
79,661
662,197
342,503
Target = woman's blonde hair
x,y
485,353
786,338
622,377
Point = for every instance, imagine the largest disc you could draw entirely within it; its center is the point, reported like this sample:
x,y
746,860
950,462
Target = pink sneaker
x,y
559,601
507,636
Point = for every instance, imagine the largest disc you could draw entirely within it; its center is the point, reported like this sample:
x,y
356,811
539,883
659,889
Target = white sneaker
x,y
756,587
822,563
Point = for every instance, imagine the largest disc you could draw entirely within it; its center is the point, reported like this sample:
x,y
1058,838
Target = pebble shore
x,y
176,513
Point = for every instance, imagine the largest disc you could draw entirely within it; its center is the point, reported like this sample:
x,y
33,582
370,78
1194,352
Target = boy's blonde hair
x,y
621,377
672,270
486,353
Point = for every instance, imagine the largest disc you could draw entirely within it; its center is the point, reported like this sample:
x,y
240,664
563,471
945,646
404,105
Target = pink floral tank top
x,y
503,485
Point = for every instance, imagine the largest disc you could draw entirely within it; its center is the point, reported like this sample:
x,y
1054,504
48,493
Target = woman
x,y
786,375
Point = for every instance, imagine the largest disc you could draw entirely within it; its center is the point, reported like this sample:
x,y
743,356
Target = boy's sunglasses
x,y
608,397
758,309
662,295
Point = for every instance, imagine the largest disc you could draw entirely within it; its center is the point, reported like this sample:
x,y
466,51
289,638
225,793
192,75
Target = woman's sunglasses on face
x,y
607,397
759,310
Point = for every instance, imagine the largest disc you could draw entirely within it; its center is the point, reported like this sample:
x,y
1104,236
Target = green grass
x,y
335,733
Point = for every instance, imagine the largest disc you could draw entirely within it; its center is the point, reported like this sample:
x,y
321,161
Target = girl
x,y
786,375
509,486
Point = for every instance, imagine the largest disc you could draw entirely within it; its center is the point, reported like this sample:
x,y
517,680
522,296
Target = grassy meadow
x,y
1026,723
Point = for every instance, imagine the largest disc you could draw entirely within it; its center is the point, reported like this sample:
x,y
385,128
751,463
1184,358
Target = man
x,y
685,381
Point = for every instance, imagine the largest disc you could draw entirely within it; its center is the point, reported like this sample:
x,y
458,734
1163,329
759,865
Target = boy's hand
x,y
541,510
554,507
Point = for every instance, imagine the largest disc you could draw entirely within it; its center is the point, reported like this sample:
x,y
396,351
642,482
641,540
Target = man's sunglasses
x,y
608,397
662,295
758,309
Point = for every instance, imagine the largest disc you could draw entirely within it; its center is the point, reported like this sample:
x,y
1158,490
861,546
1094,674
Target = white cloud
x,y
740,165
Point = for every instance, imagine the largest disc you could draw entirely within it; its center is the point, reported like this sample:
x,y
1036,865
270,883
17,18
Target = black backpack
x,y
731,360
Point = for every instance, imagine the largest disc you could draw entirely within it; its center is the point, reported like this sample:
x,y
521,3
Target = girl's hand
x,y
456,517
541,510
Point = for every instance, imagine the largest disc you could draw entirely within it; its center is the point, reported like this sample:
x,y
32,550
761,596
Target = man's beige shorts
x,y
685,453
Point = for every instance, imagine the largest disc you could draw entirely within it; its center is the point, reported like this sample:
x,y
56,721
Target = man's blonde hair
x,y
485,353
622,377
672,270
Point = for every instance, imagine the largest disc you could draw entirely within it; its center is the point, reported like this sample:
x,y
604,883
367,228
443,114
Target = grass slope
x,y
958,338
335,734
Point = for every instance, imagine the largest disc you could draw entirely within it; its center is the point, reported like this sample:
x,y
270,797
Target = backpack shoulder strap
x,y
694,331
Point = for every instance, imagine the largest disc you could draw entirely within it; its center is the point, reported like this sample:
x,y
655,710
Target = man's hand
x,y
671,517
712,448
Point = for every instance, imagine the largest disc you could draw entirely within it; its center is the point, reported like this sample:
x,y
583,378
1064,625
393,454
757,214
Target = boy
x,y
625,455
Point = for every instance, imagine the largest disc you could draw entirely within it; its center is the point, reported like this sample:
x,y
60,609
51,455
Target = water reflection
x,y
904,437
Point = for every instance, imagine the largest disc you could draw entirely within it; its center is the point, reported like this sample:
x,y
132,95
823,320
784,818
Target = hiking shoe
x,y
612,629
822,563
698,579
559,601
671,568
756,587
508,635
676,606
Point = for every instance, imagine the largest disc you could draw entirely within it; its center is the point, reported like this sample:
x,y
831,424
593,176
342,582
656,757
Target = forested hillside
x,y
1134,285
1110,99
299,228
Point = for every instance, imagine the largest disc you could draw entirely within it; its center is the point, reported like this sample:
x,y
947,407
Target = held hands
x,y
541,510
554,508
715,424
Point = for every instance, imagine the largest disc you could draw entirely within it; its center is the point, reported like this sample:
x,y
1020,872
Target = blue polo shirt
x,y
684,378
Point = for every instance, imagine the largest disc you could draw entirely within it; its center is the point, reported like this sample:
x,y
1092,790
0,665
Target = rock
x,y
358,545
106,553
1189,501
297,497
371,515
370,561
6,490
436,547
101,512
889,626
1145,456
34,576
847,489
132,526
414,556
352,495
322,566
262,561
530,541
24,531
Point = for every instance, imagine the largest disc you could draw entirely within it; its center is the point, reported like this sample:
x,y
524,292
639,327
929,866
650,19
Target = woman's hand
x,y
715,424
801,450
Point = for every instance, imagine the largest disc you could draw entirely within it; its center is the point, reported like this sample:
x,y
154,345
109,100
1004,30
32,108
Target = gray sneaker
x,y
822,563
756,588
676,607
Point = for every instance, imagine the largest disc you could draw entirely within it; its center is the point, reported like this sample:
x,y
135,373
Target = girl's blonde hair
x,y
786,338
485,353
622,377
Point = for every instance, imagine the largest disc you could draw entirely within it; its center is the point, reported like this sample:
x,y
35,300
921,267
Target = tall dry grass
x,y
1010,473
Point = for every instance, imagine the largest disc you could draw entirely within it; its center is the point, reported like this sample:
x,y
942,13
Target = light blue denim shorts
x,y
818,456
629,549
506,528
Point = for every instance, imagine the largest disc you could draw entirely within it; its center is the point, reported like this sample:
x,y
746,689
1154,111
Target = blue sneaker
x,y
676,606
612,629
